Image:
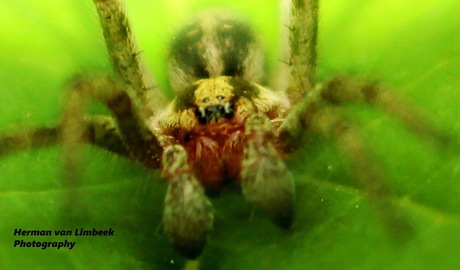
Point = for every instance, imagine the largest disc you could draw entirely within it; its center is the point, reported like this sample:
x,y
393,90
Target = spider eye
x,y
220,98
205,100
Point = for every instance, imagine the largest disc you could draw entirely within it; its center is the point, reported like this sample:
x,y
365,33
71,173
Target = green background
x,y
412,46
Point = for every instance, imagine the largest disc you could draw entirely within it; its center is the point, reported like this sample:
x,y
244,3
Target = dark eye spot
x,y
220,98
205,100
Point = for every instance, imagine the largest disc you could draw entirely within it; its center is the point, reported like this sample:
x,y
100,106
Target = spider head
x,y
214,100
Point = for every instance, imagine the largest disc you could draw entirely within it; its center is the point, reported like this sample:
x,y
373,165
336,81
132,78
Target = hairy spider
x,y
225,124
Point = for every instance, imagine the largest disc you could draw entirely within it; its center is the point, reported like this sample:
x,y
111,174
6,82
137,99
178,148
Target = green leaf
x,y
414,47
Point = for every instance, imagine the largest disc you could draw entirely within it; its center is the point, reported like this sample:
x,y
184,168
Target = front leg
x,y
265,179
125,55
303,31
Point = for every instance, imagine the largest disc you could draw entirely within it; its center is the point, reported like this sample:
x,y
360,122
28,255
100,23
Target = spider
x,y
225,124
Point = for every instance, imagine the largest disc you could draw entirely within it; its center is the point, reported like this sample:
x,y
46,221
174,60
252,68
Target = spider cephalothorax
x,y
225,122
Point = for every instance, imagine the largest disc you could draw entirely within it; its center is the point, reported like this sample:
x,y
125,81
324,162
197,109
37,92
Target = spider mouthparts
x,y
217,110
215,113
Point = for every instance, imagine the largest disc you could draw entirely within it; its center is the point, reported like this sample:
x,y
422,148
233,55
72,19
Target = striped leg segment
x,y
99,131
36,137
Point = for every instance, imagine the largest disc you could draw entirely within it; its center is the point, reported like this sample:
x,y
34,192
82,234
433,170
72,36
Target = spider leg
x,y
303,29
136,138
314,114
354,89
136,134
188,213
125,55
265,180
99,131
368,173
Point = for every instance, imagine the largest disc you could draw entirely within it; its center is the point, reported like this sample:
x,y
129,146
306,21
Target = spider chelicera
x,y
224,124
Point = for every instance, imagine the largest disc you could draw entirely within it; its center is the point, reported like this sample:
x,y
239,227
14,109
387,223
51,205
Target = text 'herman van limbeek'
x,y
52,234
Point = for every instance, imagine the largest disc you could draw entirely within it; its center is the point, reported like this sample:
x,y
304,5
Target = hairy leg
x,y
125,54
99,131
188,213
315,114
134,134
355,89
140,141
303,31
342,90
368,173
265,180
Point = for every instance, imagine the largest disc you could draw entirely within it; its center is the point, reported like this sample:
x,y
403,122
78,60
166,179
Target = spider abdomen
x,y
213,46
